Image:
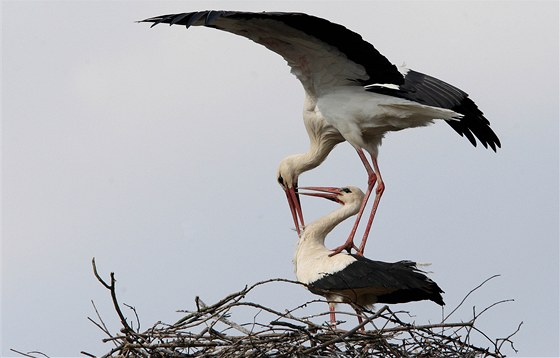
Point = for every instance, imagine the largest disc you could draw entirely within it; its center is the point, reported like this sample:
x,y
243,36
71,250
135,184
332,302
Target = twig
x,y
111,288
492,305
508,339
468,294
287,334
350,332
102,325
29,354
135,314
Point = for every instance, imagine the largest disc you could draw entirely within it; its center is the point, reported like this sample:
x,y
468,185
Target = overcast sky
x,y
155,151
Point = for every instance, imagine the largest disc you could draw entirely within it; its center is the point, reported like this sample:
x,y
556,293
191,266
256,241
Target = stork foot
x,y
348,246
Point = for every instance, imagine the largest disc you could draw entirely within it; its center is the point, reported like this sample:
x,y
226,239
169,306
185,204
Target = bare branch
x,y
111,288
101,325
350,332
285,332
30,354
468,294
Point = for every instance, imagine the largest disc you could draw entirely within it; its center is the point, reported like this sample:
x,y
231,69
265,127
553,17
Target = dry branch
x,y
210,331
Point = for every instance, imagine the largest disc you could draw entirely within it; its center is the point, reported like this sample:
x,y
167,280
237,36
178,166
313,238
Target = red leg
x,y
372,179
332,315
378,192
360,319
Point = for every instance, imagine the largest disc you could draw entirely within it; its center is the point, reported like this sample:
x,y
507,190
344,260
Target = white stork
x,y
352,93
354,279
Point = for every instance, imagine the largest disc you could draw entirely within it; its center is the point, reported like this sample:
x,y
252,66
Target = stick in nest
x,y
206,331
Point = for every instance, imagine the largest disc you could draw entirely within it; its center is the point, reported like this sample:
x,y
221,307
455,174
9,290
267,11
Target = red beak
x,y
330,193
295,208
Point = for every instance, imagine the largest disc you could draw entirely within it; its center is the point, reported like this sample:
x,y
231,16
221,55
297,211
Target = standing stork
x,y
350,278
352,93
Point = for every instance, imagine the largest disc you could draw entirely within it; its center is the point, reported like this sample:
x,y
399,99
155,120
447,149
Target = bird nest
x,y
209,331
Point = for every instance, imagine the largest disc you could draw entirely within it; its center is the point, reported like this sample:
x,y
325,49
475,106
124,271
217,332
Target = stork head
x,y
351,199
287,176
348,195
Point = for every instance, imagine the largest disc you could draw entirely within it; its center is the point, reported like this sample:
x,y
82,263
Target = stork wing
x,y
391,282
319,52
428,90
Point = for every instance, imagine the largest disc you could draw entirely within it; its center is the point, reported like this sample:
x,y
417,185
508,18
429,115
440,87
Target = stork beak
x,y
295,208
326,192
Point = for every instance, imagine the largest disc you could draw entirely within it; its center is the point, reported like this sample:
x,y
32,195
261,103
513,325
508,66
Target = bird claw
x,y
348,246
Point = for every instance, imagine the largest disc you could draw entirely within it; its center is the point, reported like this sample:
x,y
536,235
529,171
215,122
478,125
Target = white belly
x,y
362,116
312,262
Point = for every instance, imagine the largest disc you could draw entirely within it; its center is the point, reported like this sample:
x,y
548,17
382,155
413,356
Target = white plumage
x,y
350,278
312,260
352,93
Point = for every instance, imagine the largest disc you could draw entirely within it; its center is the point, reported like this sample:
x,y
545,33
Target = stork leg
x,y
360,319
332,315
372,179
378,192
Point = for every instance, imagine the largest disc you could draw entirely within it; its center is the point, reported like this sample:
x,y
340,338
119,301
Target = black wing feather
x,y
378,67
428,90
414,86
402,279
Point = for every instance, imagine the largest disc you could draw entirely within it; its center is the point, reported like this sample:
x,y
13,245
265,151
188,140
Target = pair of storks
x,y
353,94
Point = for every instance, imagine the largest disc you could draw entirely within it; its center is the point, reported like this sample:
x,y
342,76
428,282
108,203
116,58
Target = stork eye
x,y
346,190
281,180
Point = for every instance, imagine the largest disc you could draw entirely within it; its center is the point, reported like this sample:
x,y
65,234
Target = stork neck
x,y
322,136
317,153
318,230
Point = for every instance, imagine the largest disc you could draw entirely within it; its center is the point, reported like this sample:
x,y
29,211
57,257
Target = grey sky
x,y
155,151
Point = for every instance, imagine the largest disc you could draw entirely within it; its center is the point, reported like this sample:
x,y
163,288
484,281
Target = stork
x,y
350,278
352,93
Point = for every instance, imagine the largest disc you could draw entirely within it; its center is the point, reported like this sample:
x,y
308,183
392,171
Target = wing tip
x,y
188,19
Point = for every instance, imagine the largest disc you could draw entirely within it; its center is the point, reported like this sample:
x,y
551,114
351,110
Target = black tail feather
x,y
430,91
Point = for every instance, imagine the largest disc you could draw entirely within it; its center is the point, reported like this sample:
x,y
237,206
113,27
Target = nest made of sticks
x,y
209,332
